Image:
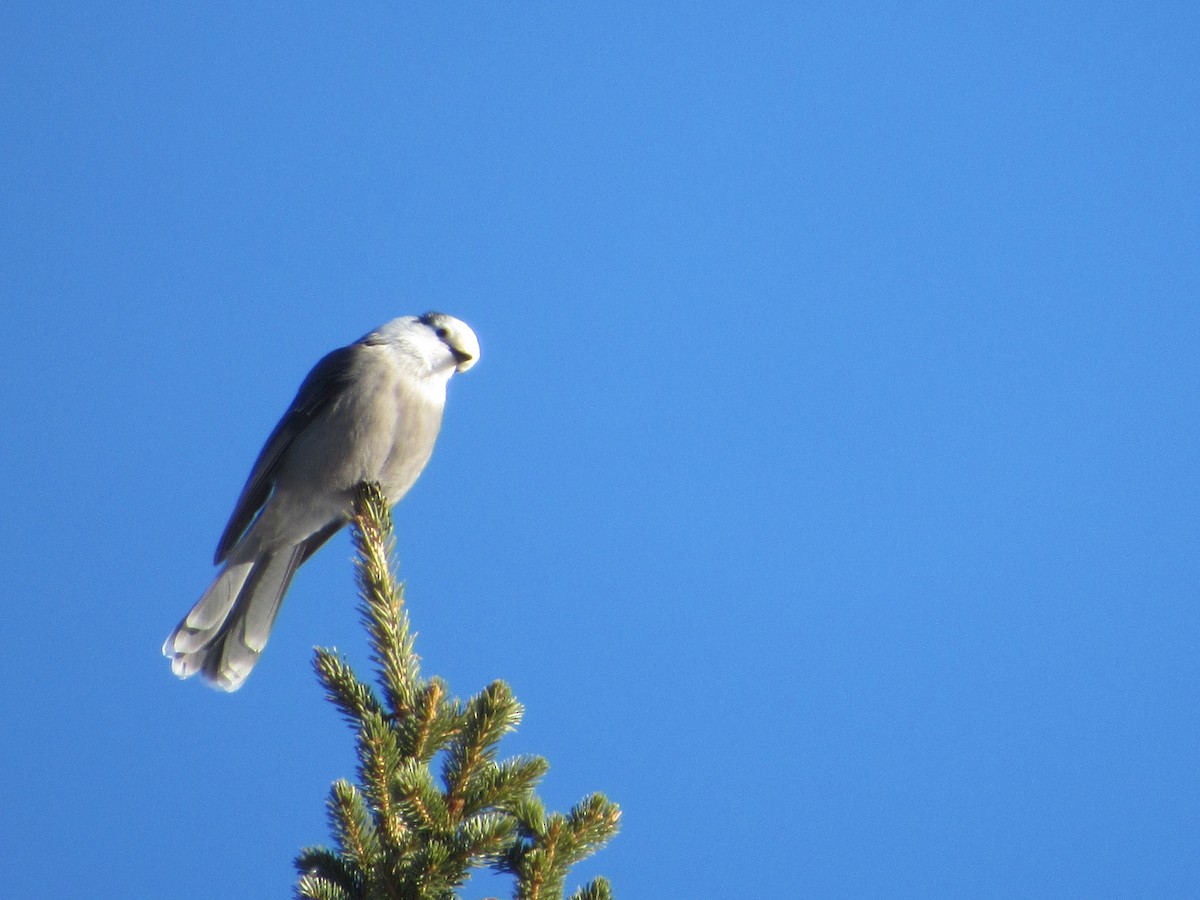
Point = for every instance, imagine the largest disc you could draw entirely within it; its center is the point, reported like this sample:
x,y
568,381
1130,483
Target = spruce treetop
x,y
400,831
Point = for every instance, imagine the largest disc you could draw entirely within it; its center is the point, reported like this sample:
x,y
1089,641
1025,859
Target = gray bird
x,y
367,412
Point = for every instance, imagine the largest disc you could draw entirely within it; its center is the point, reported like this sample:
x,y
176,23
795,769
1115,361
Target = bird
x,y
367,412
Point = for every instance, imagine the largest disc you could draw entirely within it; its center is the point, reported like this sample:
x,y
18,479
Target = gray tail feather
x,y
224,634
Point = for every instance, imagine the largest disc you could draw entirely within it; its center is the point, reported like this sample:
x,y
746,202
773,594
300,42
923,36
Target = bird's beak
x,y
465,360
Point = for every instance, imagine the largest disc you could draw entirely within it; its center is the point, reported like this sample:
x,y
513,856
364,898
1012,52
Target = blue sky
x,y
827,489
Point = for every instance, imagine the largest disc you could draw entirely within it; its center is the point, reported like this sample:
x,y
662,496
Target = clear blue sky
x,y
827,490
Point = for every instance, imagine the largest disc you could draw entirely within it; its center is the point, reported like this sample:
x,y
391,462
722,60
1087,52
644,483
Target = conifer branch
x,y
354,699
352,826
379,760
383,610
401,834
598,889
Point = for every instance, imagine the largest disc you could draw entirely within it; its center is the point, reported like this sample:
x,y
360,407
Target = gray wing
x,y
327,380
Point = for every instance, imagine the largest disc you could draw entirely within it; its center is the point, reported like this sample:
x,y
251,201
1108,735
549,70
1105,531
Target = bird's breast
x,y
416,411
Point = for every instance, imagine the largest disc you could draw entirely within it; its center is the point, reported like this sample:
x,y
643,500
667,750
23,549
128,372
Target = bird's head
x,y
456,335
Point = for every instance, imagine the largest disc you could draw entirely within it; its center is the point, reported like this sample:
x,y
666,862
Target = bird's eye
x,y
441,332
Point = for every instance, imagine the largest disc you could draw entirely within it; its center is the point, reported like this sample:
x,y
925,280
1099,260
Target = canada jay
x,y
367,412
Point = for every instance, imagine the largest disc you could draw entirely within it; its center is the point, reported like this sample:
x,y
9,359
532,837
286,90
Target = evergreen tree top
x,y
402,833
